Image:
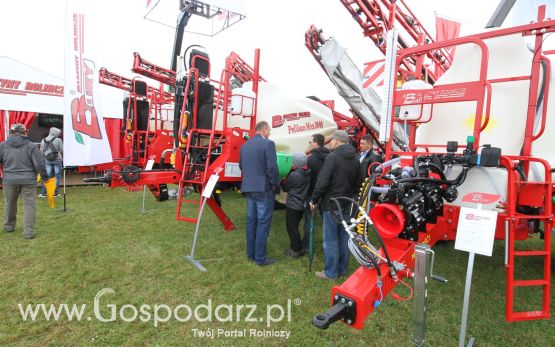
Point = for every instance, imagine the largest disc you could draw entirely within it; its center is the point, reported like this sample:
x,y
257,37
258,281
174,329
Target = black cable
x,y
435,169
374,262
376,232
340,212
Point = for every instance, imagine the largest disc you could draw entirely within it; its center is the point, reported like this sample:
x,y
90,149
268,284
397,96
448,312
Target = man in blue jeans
x,y
54,165
315,162
339,177
260,183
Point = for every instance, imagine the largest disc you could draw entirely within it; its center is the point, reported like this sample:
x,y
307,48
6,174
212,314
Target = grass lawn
x,y
104,241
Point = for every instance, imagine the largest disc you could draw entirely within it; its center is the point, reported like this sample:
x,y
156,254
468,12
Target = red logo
x,y
480,198
82,108
470,216
279,120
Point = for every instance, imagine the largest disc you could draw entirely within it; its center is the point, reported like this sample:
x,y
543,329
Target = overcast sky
x,y
33,33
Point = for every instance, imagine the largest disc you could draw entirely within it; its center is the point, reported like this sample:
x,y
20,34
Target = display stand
x,y
206,194
64,170
144,197
148,167
475,234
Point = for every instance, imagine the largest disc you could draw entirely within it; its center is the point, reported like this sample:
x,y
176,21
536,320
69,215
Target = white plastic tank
x,y
242,102
293,119
482,180
414,112
508,57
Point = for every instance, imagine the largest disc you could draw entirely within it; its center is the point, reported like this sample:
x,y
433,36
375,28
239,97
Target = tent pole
x,y
6,124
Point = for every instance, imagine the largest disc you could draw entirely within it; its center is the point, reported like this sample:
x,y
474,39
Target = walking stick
x,y
311,241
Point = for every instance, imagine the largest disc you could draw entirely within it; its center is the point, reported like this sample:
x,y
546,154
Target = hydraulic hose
x,y
455,182
336,201
390,162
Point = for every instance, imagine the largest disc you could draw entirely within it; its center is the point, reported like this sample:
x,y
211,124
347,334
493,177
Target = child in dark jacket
x,y
296,184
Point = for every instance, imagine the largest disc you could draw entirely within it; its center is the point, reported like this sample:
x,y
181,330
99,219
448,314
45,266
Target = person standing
x,y
52,147
21,160
367,156
339,177
315,162
296,186
260,183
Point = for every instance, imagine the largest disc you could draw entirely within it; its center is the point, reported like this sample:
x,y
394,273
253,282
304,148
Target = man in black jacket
x,y
367,155
21,160
315,162
340,177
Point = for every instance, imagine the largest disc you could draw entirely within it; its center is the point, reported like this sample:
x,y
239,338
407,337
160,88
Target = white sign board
x,y
476,231
149,165
207,192
232,170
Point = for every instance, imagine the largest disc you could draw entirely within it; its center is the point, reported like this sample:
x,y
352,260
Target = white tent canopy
x,y
25,88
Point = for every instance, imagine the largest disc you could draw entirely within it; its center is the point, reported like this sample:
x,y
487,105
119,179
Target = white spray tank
x,y
293,120
415,112
508,57
242,102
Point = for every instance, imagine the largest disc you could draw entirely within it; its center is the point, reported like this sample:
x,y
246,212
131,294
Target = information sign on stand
x,y
206,194
148,167
476,231
475,234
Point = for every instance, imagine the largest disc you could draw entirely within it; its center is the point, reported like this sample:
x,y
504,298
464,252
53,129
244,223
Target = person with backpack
x,y
52,147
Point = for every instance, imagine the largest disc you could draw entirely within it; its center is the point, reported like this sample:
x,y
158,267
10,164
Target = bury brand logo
x,y
278,120
83,112
427,96
471,216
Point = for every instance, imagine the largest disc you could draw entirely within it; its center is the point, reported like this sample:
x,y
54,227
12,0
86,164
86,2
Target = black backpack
x,y
50,152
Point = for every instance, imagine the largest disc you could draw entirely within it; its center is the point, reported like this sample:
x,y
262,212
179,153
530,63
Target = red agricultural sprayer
x,y
473,130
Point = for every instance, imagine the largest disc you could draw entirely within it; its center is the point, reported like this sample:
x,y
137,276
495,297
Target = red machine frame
x,y
362,286
188,172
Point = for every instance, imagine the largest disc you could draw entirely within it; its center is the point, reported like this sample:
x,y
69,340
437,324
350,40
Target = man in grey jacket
x,y
21,160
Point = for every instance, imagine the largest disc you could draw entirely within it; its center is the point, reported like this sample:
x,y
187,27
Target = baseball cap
x,y
341,136
18,128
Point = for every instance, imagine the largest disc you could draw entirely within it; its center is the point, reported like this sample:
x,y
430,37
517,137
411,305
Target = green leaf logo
x,y
79,138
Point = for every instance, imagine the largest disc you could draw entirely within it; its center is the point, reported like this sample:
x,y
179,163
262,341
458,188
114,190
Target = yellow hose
x,y
364,189
184,122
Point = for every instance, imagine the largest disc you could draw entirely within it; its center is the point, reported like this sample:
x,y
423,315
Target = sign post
x,y
475,234
148,167
206,194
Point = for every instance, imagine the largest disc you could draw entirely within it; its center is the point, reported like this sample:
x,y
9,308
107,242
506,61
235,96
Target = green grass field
x,y
104,241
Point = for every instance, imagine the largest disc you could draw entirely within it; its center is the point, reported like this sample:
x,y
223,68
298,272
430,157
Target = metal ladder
x,y
537,194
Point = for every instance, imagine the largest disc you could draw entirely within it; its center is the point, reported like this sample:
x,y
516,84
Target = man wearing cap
x,y
260,183
21,160
54,166
340,177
